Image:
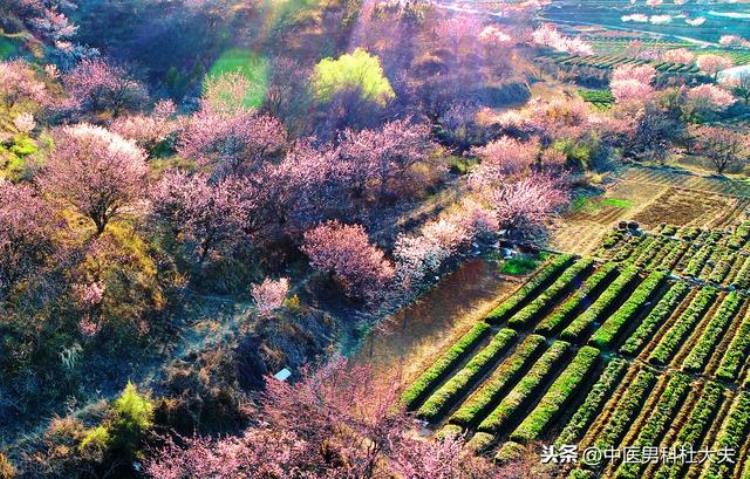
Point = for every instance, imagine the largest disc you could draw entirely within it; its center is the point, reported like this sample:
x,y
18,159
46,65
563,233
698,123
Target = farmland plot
x,y
610,354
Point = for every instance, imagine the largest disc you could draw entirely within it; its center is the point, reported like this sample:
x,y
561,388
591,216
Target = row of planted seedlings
x,y
510,388
469,345
515,387
491,382
704,255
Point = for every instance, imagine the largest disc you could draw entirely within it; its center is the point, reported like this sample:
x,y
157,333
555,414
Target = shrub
x,y
583,322
7,471
562,314
663,309
613,326
559,393
529,289
446,363
133,415
480,442
461,382
702,350
671,341
478,404
549,296
522,393
357,71
595,399
95,441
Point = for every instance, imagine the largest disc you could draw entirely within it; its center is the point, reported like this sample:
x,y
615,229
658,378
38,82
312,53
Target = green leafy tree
x,y
357,71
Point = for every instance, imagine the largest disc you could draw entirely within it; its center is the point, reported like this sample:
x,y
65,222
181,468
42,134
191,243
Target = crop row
x,y
671,341
694,429
658,422
707,255
696,263
560,316
732,435
647,252
442,399
626,410
600,392
549,296
426,382
736,355
557,396
613,326
742,278
656,317
501,379
525,389
529,289
740,236
700,353
578,327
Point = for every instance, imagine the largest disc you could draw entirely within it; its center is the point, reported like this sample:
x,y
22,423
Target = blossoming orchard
x,y
421,239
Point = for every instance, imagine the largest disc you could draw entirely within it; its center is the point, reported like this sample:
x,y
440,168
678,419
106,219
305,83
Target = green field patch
x,y
8,48
588,204
252,66
520,266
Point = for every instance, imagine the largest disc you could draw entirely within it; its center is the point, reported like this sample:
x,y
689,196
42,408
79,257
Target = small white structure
x,y
283,375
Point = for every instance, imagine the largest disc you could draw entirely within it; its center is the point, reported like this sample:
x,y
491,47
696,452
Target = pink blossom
x,y
548,36
733,41
147,130
54,25
709,97
18,82
627,90
346,252
492,35
25,233
527,203
205,217
88,327
97,86
96,171
239,142
503,157
270,295
678,55
642,73
576,46
91,294
477,220
711,64
654,3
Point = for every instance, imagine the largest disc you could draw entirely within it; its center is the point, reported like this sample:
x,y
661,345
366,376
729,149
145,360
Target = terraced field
x,y
714,257
646,348
609,62
654,196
